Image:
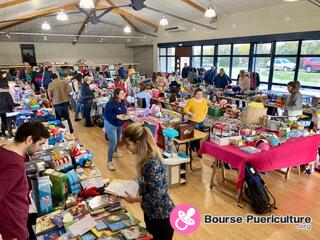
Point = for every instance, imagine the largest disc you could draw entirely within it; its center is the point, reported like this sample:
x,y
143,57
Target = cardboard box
x,y
59,183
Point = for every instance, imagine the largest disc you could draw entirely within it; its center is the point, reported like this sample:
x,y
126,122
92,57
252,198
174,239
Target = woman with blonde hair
x,y
293,106
153,182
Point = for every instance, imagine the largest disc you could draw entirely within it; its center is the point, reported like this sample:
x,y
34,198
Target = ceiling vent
x,y
176,29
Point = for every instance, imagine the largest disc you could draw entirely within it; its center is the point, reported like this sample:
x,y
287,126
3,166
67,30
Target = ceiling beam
x,y
72,6
12,3
124,17
125,14
195,5
96,2
41,13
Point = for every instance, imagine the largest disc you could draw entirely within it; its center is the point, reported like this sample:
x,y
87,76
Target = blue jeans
x,y
62,112
86,110
195,145
113,134
78,110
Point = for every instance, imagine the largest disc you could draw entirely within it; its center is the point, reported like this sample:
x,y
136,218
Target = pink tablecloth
x,y
294,152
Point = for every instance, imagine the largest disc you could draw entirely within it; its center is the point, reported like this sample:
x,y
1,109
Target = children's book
x,y
58,219
82,226
92,182
136,232
250,149
101,225
54,234
116,217
88,236
102,201
119,187
116,226
114,237
88,172
44,223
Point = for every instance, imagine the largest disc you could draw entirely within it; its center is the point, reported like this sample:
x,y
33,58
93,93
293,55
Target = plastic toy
x,y
169,134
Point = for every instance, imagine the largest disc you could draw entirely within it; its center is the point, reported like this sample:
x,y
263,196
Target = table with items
x,y
71,197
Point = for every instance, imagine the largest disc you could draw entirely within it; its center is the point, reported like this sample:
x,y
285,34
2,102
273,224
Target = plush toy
x,y
223,103
56,135
231,112
262,145
273,140
155,110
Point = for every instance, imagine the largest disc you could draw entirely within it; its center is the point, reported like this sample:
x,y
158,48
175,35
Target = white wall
x,y
58,52
285,18
144,55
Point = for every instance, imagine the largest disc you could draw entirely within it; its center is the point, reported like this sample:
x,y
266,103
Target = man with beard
x,y
13,180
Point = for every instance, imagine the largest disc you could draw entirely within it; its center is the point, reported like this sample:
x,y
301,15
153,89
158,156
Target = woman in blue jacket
x,y
113,121
86,100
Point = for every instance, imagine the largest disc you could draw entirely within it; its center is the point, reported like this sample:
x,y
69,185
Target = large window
x,y
285,62
224,58
309,67
208,50
261,61
171,64
163,64
224,49
224,62
240,59
196,62
277,61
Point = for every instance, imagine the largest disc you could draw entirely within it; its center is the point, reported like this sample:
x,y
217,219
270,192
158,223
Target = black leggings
x,y
4,124
159,228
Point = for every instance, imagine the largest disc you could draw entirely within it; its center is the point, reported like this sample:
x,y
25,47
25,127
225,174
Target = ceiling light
x,y
62,16
8,36
210,12
290,0
45,26
86,4
127,29
163,21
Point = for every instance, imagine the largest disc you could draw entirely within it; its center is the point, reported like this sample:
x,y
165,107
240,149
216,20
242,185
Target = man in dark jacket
x,y
121,71
210,76
185,71
6,105
47,77
222,80
86,100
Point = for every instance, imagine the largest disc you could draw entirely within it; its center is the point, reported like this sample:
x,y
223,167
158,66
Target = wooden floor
x,y
298,195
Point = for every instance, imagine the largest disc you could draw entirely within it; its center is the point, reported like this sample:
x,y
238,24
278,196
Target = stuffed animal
x,y
223,103
155,110
273,140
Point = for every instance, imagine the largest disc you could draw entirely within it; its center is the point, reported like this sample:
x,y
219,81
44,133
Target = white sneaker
x,y
117,154
110,166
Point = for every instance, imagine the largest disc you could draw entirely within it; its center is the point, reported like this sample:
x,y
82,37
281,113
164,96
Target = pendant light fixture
x,y
163,19
45,26
86,4
210,12
62,16
127,29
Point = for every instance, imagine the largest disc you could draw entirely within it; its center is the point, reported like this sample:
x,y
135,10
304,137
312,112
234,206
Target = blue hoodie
x,y
112,109
122,72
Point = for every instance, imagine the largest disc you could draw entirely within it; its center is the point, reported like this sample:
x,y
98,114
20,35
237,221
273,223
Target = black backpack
x,y
98,120
257,192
